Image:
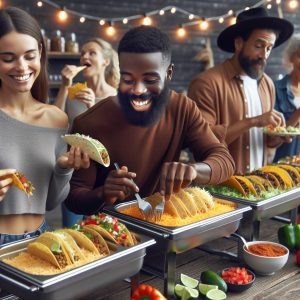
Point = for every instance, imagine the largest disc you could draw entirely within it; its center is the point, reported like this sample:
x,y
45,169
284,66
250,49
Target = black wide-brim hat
x,y
254,18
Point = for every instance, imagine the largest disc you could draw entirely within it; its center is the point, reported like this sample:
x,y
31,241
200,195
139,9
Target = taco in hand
x,y
75,88
51,248
92,147
20,181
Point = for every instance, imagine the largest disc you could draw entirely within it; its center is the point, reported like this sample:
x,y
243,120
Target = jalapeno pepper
x,y
297,236
147,292
286,236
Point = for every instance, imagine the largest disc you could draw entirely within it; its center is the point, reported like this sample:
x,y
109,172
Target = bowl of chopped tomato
x,y
238,279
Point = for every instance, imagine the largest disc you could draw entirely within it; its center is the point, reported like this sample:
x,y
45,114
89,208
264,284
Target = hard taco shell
x,y
93,147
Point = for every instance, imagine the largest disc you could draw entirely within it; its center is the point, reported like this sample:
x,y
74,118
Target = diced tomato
x,y
91,221
23,179
236,275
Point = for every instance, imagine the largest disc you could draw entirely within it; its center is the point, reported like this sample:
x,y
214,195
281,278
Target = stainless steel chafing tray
x,y
268,208
173,240
76,283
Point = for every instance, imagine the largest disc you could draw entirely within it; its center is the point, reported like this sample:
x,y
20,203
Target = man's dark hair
x,y
146,39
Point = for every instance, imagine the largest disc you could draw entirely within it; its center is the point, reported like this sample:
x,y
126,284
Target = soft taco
x,y
188,202
282,176
203,199
180,207
93,147
110,228
293,172
241,184
58,254
20,181
72,248
75,88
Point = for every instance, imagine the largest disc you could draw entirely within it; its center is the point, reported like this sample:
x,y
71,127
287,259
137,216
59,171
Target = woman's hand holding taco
x,y
75,158
5,181
86,96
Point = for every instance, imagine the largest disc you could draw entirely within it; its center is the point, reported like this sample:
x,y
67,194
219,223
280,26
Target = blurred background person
x,y
102,77
288,95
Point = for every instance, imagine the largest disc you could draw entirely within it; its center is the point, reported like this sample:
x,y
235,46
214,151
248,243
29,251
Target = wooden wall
x,y
183,51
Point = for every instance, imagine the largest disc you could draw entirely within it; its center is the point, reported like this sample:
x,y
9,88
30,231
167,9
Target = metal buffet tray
x,y
268,208
76,283
173,240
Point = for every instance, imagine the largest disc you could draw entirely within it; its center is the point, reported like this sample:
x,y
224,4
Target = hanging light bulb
x,y
173,10
62,15
278,1
161,12
125,21
191,17
221,20
181,32
230,12
269,6
82,19
39,4
232,20
247,8
102,22
293,4
147,21
110,30
203,24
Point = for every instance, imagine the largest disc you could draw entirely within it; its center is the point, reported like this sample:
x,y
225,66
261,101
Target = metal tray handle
x,y
19,284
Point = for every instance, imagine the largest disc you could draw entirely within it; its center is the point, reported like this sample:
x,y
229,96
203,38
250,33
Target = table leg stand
x,y
255,230
169,275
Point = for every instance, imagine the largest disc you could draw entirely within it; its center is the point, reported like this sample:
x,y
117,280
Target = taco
x,y
97,239
93,147
281,175
203,199
20,181
257,184
188,201
269,177
241,184
180,207
57,247
293,172
82,240
75,88
110,228
72,248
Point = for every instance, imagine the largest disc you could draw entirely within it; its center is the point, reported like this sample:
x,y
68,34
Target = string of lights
x,y
192,19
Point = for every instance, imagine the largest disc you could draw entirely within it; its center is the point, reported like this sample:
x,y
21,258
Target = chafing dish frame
x,y
74,284
268,208
173,240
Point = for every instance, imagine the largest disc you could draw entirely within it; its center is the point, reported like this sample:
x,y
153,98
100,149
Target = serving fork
x,y
144,206
159,209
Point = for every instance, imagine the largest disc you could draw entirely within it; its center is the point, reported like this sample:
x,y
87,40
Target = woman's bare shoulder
x,y
54,117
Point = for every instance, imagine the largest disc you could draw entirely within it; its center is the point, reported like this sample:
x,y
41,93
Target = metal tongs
x,y
144,206
159,209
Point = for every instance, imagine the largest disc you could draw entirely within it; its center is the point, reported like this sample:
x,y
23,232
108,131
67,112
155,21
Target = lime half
x,y
179,290
189,281
193,292
204,288
186,294
215,295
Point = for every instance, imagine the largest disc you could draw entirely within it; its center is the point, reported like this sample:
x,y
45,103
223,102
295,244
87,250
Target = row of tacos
x,y
65,248
186,203
282,177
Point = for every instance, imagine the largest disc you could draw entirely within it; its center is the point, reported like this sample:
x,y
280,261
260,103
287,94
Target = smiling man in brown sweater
x,y
237,97
144,129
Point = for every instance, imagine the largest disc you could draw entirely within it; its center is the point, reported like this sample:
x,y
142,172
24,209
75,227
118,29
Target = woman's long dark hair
x,y
15,19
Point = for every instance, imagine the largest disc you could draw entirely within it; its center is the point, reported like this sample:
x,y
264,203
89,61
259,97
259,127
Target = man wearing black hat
x,y
237,97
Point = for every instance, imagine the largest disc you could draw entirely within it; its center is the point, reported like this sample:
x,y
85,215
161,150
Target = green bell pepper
x,y
286,236
297,236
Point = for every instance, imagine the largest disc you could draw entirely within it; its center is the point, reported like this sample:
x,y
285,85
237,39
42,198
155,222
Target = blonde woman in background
x,y
288,95
102,76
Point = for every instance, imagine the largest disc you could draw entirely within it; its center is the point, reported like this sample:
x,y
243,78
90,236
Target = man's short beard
x,y
144,118
247,64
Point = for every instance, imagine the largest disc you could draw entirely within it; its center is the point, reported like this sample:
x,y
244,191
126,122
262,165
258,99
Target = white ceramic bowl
x,y
265,265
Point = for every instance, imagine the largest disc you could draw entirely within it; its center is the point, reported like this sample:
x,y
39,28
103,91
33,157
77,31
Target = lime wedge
x,y
193,292
179,290
189,281
186,294
204,288
215,295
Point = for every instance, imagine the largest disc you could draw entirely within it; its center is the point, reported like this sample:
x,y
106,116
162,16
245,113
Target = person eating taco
x,y
92,147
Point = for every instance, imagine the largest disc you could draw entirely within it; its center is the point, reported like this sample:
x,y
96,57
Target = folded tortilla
x,y
57,247
293,172
93,147
281,175
20,181
188,201
241,184
75,88
203,199
180,207
257,184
